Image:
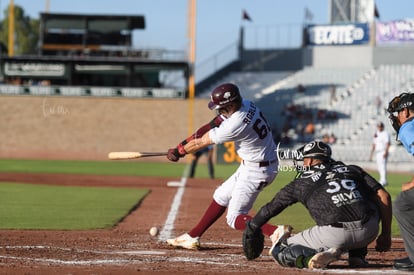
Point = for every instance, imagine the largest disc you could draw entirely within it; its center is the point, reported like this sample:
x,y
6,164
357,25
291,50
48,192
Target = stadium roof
x,y
92,22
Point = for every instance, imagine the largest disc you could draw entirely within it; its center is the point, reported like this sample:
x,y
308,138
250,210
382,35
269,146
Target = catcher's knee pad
x,y
293,255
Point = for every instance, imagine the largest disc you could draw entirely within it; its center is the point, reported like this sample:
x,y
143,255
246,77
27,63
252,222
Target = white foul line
x,y
169,223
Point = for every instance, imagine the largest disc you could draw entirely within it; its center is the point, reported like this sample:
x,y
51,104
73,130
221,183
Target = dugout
x,y
95,50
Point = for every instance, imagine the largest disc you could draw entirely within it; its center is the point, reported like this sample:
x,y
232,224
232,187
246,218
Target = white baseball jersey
x,y
381,140
250,132
254,144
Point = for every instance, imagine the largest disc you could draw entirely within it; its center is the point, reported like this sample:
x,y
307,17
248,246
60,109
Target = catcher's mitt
x,y
253,242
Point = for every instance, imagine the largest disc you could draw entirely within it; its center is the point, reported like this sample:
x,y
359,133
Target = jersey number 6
x,y
261,128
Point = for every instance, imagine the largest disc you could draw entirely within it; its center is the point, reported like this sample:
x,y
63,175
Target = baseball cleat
x,y
281,233
185,241
322,259
357,262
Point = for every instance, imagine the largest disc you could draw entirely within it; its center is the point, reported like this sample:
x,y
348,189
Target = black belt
x,y
341,224
266,163
263,163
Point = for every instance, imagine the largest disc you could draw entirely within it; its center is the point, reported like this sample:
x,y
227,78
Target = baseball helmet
x,y
404,100
223,95
398,103
316,150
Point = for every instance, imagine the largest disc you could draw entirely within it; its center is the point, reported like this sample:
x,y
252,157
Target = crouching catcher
x,y
346,203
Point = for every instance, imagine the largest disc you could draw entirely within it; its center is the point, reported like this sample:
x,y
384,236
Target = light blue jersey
x,y
406,135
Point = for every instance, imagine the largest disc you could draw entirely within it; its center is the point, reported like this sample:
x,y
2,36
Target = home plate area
x,y
128,248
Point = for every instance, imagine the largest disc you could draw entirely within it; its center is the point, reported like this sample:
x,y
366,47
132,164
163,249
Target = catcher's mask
x,y
396,105
314,149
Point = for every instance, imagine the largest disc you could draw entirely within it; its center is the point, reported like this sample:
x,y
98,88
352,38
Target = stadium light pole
x,y
47,6
191,35
191,58
11,29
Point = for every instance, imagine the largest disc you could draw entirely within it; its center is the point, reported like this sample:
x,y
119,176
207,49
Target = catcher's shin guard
x,y
294,255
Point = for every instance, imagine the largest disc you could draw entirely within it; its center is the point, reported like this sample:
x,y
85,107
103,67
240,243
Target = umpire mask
x,y
396,105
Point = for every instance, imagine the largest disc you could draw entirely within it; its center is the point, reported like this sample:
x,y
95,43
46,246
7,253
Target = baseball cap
x,y
315,149
404,100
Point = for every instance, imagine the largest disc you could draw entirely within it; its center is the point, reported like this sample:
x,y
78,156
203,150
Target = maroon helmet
x,y
223,95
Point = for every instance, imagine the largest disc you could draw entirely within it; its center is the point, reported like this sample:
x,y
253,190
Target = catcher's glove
x,y
253,242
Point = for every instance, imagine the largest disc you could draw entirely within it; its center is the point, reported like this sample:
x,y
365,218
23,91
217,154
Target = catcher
x,y
345,202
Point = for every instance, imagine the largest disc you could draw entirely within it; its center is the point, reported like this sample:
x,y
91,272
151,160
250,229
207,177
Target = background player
x,y
381,145
346,204
208,151
401,110
240,121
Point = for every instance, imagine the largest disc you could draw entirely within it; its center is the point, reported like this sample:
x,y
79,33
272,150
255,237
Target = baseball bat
x,y
134,155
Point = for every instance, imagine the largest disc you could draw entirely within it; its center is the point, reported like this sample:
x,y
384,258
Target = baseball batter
x,y
240,121
401,115
381,145
344,201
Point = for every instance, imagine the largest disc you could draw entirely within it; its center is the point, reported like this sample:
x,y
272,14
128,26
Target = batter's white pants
x,y
239,192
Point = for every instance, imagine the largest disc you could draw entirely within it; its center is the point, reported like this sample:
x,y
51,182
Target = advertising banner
x,y
395,32
344,34
34,69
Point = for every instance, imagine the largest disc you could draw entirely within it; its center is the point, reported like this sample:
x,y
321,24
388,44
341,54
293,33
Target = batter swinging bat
x,y
134,155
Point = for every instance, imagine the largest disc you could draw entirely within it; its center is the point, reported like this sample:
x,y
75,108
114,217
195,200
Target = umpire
x,y
401,110
345,202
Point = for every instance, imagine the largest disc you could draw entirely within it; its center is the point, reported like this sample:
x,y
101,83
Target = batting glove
x,y
174,154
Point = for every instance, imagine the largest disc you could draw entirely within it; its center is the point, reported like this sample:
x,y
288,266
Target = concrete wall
x,y
326,57
339,56
272,60
37,127
393,55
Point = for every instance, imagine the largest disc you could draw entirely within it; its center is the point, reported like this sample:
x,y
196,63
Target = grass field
x,y
23,198
33,206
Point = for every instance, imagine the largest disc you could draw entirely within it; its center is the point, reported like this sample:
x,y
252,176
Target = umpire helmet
x,y
315,149
397,104
223,95
404,100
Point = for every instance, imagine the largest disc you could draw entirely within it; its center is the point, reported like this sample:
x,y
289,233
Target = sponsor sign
x,y
344,34
395,32
91,91
33,69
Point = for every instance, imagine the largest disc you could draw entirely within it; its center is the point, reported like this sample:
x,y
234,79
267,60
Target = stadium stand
x,y
292,86
351,117
250,83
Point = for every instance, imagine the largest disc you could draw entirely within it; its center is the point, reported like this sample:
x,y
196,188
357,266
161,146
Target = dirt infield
x,y
128,248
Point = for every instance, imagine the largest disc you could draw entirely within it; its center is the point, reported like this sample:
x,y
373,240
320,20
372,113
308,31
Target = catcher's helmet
x,y
223,95
316,150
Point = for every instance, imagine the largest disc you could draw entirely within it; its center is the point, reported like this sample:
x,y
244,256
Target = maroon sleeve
x,y
204,129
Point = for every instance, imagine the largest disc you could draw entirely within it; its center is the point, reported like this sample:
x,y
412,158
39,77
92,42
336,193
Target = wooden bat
x,y
134,155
